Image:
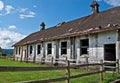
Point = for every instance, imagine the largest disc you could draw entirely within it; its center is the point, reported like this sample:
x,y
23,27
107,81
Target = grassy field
x,y
10,77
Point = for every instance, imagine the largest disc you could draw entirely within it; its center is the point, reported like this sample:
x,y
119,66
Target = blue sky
x,y
19,18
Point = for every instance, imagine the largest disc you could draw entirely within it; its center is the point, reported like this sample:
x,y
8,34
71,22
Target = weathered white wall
x,y
99,41
96,47
31,56
49,56
39,56
96,44
68,49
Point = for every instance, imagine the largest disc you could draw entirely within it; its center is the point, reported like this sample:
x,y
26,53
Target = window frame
x,y
38,49
31,49
84,45
49,48
64,47
19,50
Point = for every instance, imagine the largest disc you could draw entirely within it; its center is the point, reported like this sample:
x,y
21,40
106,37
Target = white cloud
x,y
30,14
1,5
8,9
22,10
8,38
112,2
12,27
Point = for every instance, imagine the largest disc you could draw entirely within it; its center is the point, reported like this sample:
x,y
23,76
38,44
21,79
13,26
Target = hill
x,y
7,51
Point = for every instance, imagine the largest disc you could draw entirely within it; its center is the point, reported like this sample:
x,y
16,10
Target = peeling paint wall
x,y
95,50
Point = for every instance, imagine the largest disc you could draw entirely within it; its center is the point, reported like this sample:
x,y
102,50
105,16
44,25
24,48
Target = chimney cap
x,y
95,7
42,26
94,3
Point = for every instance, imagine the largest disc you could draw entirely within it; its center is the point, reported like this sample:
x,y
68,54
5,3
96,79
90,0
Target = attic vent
x,y
70,29
59,24
109,25
99,27
115,25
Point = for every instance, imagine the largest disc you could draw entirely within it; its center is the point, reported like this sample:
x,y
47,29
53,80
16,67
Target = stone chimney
x,y
42,26
95,7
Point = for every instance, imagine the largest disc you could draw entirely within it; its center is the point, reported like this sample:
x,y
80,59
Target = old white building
x,y
96,36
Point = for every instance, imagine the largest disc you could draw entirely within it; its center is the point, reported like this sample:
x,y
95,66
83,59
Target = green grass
x,y
10,77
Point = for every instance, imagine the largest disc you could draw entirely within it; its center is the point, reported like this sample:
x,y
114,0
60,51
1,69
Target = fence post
x,y
101,69
68,71
117,66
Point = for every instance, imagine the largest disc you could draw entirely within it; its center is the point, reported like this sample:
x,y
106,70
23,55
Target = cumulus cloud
x,y
30,14
113,2
12,27
22,10
8,38
8,9
1,5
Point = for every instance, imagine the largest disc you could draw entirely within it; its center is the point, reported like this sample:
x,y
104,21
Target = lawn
x,y
10,77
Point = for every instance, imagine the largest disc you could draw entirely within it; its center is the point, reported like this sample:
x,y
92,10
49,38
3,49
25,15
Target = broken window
x,y
63,48
84,46
49,48
31,49
38,49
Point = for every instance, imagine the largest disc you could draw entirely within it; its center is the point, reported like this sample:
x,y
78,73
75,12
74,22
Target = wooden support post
x,y
101,69
68,71
87,67
117,66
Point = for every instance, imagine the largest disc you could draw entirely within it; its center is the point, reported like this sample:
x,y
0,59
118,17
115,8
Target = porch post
x,y
118,50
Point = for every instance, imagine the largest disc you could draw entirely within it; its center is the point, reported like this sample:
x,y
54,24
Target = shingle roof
x,y
94,23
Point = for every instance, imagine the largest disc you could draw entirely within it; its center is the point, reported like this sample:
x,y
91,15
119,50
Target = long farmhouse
x,y
96,36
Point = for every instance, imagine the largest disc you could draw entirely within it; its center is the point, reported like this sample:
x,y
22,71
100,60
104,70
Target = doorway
x,y
110,55
110,52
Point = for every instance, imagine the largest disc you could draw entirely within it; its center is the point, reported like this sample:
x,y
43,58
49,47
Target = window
x,y
38,49
49,48
63,48
31,49
84,46
19,50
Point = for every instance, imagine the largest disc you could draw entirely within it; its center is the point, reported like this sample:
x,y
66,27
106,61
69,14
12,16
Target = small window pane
x,y
84,46
49,48
38,49
63,48
31,49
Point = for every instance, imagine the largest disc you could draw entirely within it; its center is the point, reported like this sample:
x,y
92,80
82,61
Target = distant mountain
x,y
7,51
